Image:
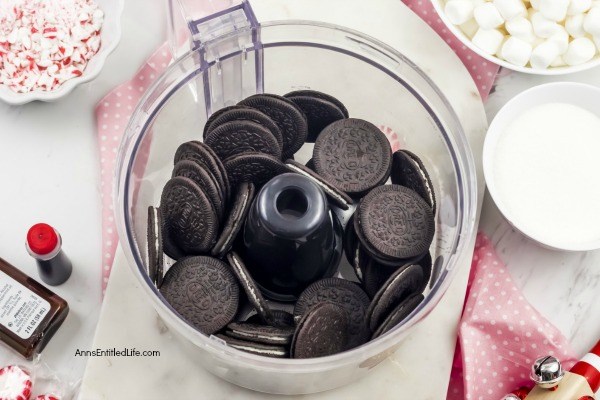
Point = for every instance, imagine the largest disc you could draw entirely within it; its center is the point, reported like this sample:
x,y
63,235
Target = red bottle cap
x,y
42,239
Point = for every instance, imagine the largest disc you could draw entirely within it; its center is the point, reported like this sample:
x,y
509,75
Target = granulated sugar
x,y
44,43
547,172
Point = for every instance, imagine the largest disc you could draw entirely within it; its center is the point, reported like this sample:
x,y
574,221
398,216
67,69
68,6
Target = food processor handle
x,y
191,22
213,30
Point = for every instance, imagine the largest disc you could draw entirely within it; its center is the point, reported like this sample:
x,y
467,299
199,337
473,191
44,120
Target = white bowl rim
x,y
13,98
552,71
491,138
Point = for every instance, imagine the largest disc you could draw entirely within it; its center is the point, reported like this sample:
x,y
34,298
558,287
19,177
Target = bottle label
x,y
21,310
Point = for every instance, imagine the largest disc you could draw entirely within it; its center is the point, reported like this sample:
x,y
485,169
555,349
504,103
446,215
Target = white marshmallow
x,y
591,22
530,12
521,28
580,51
488,40
459,11
499,52
488,16
510,9
597,41
558,62
561,39
469,28
535,4
574,25
542,26
516,51
579,6
544,54
554,10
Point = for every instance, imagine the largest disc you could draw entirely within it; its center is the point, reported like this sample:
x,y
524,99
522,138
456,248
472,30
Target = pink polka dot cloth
x,y
500,334
112,115
483,72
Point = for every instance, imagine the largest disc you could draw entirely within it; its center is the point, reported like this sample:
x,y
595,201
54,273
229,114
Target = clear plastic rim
x,y
462,159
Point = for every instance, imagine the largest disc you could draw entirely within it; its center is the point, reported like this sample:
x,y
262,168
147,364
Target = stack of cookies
x,y
205,204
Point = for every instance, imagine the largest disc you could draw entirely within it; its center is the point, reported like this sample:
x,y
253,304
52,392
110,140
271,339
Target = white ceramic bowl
x,y
110,35
577,94
439,7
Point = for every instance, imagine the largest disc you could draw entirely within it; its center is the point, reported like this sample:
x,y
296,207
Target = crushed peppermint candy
x,y
44,43
15,382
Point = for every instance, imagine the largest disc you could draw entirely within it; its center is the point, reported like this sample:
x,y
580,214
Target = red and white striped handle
x,y
589,368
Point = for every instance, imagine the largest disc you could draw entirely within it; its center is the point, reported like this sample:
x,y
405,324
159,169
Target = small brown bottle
x,y
30,314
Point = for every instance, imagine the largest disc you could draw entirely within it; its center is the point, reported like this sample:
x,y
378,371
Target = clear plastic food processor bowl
x,y
231,56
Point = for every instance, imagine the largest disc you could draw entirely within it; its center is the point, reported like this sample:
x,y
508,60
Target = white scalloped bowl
x,y
439,8
110,35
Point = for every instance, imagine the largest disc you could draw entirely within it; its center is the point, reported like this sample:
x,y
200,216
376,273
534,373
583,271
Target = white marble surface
x,y
129,320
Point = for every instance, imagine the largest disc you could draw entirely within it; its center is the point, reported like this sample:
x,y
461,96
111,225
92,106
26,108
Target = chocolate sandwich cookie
x,y
403,283
426,264
436,270
350,240
242,113
170,247
202,154
252,291
238,137
396,222
237,216
322,331
288,117
216,115
408,170
155,246
189,216
343,293
204,179
204,291
310,164
341,199
354,155
375,274
368,249
319,114
319,95
280,318
260,333
257,168
259,349
400,312
355,253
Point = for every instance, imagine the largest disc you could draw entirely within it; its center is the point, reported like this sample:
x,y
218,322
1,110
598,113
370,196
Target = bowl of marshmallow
x,y
47,48
545,37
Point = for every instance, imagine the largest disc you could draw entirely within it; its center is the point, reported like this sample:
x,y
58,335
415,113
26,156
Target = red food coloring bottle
x,y
45,245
